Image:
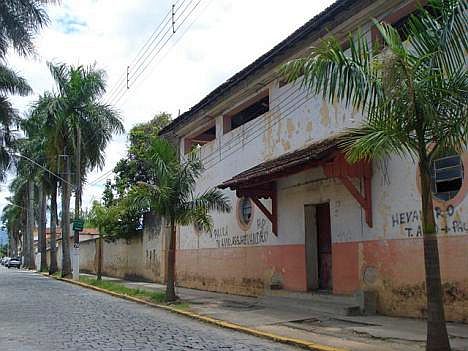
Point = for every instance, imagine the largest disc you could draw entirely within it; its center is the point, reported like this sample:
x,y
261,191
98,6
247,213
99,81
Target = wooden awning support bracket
x,y
342,170
365,201
257,195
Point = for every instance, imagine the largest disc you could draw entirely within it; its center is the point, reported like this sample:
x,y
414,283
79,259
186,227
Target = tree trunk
x,y
25,246
14,244
170,286
99,265
66,261
53,230
42,227
30,227
437,337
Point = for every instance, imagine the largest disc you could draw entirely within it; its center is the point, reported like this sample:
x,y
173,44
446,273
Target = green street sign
x,y
78,224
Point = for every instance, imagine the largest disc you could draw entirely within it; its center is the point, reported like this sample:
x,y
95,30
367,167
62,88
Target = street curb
x,y
220,323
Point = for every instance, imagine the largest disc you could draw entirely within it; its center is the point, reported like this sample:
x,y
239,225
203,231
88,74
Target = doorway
x,y
318,247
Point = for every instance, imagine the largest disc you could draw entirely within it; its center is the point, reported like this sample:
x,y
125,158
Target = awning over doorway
x,y
260,181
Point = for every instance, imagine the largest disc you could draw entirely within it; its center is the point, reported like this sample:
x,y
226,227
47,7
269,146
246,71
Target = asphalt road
x,y
41,314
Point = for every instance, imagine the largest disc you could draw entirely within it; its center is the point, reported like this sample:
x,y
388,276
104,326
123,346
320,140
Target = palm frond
x,y
441,37
12,83
19,23
375,140
336,75
199,217
211,200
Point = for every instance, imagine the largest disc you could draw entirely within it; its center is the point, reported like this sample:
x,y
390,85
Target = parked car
x,y
4,260
14,262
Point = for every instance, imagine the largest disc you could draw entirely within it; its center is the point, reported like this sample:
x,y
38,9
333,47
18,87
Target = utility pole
x,y
30,226
173,19
66,263
76,222
128,77
42,239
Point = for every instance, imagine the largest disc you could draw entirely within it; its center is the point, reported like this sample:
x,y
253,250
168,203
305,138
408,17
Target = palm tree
x,y
10,83
22,188
78,125
415,97
12,218
20,21
35,146
14,214
171,196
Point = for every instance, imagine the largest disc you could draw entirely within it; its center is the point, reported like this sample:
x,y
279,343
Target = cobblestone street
x,y
39,314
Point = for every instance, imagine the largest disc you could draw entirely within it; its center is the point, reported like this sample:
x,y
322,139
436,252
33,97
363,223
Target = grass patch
x,y
153,296
184,306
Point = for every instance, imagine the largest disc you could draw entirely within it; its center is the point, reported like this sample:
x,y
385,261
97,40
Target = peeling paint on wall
x,y
324,114
290,127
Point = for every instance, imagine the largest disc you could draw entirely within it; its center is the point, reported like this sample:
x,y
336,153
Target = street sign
x,y
78,224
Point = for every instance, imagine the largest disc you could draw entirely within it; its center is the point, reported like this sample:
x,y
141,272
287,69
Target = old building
x,y
303,218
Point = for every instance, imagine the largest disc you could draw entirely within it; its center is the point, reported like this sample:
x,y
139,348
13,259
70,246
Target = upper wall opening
x,y
246,112
200,139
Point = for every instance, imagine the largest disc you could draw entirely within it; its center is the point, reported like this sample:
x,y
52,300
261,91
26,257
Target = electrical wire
x,y
156,53
41,166
141,60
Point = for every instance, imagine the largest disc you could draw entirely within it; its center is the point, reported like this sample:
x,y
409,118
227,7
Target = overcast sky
x,y
225,36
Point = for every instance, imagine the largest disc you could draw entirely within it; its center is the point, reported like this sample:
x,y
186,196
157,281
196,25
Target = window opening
x,y
200,139
447,177
249,113
245,211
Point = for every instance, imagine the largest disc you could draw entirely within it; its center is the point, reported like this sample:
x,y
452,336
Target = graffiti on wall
x,y
448,221
225,239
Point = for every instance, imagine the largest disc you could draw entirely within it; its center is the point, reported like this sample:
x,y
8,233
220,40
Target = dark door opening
x,y
324,246
311,247
318,247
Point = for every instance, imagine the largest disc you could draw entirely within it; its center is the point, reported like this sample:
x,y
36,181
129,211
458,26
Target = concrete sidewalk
x,y
299,318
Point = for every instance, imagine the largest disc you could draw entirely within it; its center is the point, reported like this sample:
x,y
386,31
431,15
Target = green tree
x,y
127,220
22,187
79,126
12,215
10,84
103,218
172,197
20,21
414,95
35,146
134,167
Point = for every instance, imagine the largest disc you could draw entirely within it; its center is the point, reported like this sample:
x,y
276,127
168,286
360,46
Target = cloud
x,y
69,24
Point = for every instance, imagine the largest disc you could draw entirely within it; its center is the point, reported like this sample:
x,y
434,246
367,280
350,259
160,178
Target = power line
x,y
139,72
156,50
100,178
41,166
118,86
146,50
178,39
171,32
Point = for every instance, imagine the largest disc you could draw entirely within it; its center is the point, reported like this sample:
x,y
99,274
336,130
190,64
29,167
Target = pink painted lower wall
x,y
246,271
392,268
395,269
